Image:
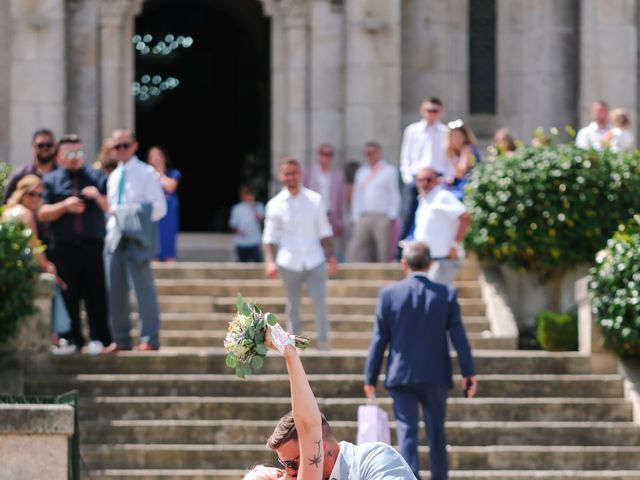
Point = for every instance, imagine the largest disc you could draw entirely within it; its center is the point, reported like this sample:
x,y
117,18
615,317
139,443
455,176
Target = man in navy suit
x,y
414,317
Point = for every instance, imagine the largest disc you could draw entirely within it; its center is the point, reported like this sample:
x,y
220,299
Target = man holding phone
x,y
74,203
416,317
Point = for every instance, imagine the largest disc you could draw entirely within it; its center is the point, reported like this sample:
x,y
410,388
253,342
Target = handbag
x,y
60,320
373,424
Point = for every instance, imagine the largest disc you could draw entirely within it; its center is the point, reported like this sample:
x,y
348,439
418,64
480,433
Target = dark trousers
x,y
249,254
433,399
81,266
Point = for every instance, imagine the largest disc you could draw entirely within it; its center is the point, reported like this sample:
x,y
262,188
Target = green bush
x,y
557,332
17,278
614,288
549,208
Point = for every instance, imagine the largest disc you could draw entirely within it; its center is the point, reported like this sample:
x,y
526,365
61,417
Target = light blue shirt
x,y
370,461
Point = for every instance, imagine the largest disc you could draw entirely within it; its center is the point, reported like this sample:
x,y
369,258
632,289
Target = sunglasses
x,y
44,145
427,179
433,110
290,464
122,146
72,155
455,124
326,153
34,194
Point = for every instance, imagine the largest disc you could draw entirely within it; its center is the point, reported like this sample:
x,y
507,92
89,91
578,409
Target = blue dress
x,y
170,223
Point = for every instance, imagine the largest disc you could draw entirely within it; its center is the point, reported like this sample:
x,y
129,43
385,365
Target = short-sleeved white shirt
x,y
243,217
296,224
437,220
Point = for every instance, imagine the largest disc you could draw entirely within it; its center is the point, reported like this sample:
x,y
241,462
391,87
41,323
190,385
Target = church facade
x,y
339,71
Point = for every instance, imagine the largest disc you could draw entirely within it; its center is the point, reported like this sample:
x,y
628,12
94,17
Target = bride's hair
x,y
260,472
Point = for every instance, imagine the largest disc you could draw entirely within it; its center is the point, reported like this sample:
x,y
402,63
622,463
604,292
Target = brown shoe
x,y
113,347
145,347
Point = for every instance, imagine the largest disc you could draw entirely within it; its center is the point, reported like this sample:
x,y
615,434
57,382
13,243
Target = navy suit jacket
x,y
413,317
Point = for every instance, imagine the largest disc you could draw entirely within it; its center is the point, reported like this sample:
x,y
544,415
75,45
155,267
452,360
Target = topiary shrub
x,y
17,278
557,332
549,208
5,170
614,289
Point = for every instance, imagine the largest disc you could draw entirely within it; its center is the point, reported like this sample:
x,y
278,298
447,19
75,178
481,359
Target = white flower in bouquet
x,y
245,338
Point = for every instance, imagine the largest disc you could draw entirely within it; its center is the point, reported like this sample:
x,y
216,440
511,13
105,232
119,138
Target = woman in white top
x,y
619,138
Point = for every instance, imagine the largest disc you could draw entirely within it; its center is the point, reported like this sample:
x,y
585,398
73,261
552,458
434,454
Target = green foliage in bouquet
x,y
245,338
557,332
17,278
548,208
615,290
5,170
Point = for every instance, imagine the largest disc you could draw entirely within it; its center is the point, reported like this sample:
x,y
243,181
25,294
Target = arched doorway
x,y
207,99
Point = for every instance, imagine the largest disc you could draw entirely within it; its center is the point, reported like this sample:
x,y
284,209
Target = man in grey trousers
x,y
297,242
136,203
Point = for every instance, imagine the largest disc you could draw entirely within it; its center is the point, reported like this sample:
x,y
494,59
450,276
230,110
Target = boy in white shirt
x,y
246,222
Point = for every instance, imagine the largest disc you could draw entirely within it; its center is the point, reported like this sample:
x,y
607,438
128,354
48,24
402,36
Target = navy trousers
x,y
433,399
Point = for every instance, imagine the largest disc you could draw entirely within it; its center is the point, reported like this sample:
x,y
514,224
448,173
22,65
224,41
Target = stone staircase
x,y
180,413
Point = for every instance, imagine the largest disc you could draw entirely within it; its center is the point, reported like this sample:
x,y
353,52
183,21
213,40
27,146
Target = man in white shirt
x,y
423,145
343,460
297,242
375,204
133,183
441,221
592,135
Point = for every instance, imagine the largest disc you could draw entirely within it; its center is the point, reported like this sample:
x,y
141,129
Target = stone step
x,y
246,271
337,323
223,474
336,385
342,340
466,433
351,361
344,409
336,306
273,288
161,456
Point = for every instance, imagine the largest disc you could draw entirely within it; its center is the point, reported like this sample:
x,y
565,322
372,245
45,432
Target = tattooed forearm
x,y
316,460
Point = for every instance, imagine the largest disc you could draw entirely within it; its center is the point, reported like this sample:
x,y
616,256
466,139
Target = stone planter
x,y
31,344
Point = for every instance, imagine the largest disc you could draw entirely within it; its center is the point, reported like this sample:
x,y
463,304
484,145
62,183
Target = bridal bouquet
x,y
244,342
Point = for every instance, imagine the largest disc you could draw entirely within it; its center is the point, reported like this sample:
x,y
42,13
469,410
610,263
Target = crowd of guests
x,y
97,228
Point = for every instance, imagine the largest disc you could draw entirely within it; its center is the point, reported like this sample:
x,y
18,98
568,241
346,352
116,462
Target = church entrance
x,y
202,92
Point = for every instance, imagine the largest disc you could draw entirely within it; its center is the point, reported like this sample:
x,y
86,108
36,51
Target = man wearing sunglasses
x,y
136,199
44,153
74,204
341,460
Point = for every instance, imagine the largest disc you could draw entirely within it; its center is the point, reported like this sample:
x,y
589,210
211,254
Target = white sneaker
x,y
64,347
95,347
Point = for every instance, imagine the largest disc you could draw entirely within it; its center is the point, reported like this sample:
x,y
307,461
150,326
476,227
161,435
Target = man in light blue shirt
x,y
342,461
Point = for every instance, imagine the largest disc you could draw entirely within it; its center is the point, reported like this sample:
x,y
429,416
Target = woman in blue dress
x,y
170,224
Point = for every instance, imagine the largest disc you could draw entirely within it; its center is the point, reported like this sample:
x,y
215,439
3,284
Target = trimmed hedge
x,y
557,332
615,290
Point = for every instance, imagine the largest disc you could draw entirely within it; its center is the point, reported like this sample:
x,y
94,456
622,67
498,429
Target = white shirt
x,y
376,190
243,217
423,146
622,140
437,221
141,185
296,224
591,136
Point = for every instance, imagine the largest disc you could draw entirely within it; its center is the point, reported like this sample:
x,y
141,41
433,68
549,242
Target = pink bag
x,y
373,424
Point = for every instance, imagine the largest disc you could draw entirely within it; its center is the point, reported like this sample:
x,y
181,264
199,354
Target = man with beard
x,y
44,154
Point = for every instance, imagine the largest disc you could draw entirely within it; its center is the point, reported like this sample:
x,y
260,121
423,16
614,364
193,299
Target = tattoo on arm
x,y
316,460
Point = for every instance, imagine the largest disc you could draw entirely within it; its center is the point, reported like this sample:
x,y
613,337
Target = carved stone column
x,y
38,79
372,76
289,79
117,63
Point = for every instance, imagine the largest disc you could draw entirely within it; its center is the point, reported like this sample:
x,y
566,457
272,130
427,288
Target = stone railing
x,y
31,344
590,342
34,441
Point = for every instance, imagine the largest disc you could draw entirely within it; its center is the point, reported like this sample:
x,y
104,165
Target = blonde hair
x,y
256,473
469,137
620,117
26,184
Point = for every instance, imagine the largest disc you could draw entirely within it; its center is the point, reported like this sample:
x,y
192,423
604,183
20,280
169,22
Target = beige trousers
x,y
371,237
